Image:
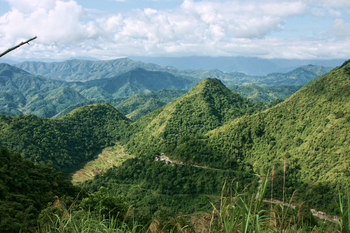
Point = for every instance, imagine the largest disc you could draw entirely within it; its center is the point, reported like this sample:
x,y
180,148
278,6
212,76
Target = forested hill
x,y
208,105
24,93
26,189
264,93
138,81
310,130
19,89
134,106
67,142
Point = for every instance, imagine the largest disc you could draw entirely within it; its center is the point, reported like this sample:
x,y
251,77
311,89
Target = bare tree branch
x,y
17,46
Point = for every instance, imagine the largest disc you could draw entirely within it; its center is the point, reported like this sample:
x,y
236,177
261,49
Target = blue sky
x,y
108,29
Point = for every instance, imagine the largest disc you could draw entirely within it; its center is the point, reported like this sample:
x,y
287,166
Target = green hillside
x,y
139,81
264,93
67,142
19,89
23,93
310,129
135,106
26,189
208,105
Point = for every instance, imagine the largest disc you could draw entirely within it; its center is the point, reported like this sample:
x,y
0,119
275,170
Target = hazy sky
x,y
108,29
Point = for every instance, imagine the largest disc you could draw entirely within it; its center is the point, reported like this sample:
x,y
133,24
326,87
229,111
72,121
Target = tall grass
x,y
87,222
240,212
344,211
244,212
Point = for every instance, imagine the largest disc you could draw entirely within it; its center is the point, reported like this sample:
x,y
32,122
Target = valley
x,y
104,131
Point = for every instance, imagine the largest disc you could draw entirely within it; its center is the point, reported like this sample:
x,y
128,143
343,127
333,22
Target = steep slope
x,y
55,101
264,93
310,129
23,93
67,142
135,106
26,189
206,106
140,81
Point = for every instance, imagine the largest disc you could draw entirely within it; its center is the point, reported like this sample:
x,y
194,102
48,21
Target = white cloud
x,y
333,3
340,28
217,28
335,13
53,23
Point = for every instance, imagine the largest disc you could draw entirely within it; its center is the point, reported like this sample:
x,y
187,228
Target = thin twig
x,y
17,46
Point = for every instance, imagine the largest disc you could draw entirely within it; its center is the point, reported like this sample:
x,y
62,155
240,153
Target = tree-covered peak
x,y
209,85
209,104
8,70
96,110
310,129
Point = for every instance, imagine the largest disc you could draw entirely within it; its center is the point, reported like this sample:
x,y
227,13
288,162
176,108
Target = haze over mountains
x,y
82,70
247,65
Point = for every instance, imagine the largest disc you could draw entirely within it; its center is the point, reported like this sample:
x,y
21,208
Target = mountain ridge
x,y
74,71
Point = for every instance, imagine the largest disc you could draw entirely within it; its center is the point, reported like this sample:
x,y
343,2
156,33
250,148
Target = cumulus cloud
x,y
340,28
214,28
52,21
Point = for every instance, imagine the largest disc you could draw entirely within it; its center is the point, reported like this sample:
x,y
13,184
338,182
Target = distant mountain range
x,y
246,65
24,93
82,70
103,81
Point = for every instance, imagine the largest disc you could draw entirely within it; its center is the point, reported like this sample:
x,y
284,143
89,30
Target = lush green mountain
x,y
67,142
26,189
135,106
264,93
19,89
310,130
139,81
23,93
208,105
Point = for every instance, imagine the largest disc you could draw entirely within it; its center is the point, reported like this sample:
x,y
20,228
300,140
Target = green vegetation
x,y
153,187
206,106
110,157
310,130
73,139
264,93
136,106
223,140
235,210
23,93
25,189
